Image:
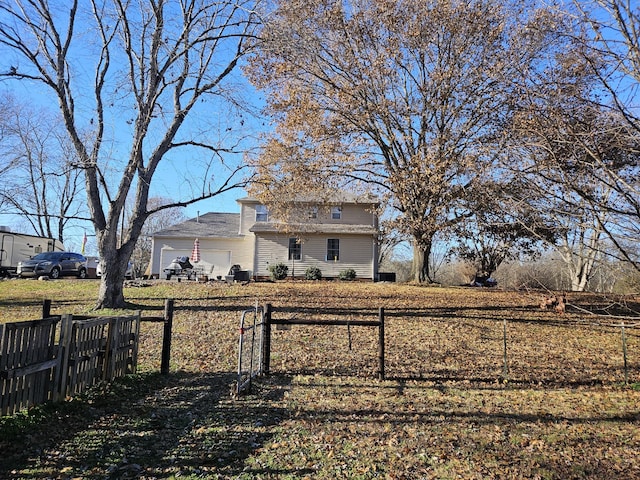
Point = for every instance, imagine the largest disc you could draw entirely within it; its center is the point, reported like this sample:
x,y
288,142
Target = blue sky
x,y
180,173
171,180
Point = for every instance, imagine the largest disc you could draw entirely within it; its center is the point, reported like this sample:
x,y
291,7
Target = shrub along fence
x,y
60,356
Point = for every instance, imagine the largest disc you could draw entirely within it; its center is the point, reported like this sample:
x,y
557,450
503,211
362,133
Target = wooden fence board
x,y
64,347
88,349
123,346
28,363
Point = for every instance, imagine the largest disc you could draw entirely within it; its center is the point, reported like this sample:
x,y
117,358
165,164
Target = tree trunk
x,y
111,291
421,262
114,261
581,273
580,260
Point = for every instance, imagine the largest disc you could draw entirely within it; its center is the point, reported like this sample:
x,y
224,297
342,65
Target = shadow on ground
x,y
144,426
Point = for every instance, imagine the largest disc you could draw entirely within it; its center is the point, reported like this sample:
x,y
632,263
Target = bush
x,y
279,271
347,274
312,273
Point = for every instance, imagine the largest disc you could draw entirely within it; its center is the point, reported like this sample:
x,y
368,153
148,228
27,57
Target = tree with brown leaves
x,y
409,99
578,145
613,54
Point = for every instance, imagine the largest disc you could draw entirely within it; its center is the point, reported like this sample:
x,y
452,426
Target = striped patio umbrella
x,y
195,253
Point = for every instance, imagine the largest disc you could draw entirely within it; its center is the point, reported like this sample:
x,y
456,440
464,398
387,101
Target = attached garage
x,y
221,245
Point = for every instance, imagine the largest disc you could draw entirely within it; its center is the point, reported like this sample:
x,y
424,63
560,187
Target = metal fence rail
x,y
249,347
268,321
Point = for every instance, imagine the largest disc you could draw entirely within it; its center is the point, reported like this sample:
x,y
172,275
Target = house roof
x,y
209,225
267,227
335,198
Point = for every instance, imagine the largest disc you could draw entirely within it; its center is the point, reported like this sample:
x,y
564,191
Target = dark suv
x,y
54,265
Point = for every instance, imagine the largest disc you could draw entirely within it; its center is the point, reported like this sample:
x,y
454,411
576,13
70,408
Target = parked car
x,y
18,247
54,265
128,273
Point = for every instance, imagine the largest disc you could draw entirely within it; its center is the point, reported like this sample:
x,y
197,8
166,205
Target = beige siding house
x,y
336,236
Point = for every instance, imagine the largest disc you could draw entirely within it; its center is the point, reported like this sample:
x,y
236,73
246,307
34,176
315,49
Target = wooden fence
x,y
56,357
60,356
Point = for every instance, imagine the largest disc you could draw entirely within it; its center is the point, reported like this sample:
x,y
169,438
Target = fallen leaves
x,y
445,411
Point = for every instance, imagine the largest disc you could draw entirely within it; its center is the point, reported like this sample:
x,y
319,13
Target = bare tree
x,y
612,51
614,39
42,183
578,159
556,172
7,163
139,75
578,237
407,98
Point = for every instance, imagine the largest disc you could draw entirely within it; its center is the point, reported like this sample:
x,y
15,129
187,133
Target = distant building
x,y
333,236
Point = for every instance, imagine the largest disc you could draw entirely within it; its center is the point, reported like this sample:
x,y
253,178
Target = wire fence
x,y
249,347
463,347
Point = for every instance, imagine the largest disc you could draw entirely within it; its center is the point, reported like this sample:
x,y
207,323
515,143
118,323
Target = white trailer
x,y
16,247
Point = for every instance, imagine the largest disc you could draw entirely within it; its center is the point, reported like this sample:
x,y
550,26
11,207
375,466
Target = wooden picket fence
x,y
56,357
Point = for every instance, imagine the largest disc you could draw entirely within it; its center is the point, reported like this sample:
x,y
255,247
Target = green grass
x,y
444,410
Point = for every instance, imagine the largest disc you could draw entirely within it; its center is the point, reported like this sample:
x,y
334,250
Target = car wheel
x,y
55,273
82,273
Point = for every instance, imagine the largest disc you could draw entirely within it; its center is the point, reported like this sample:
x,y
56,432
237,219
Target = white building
x,y
334,236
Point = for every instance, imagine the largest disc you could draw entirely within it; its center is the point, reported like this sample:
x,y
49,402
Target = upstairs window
x,y
336,213
333,250
295,249
262,214
313,213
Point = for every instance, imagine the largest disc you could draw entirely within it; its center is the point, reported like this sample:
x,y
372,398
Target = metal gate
x,y
249,347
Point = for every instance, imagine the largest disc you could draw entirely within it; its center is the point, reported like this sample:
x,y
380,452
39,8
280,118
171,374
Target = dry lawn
x,y
447,408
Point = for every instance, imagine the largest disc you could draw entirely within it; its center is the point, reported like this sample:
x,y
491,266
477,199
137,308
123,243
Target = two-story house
x,y
334,236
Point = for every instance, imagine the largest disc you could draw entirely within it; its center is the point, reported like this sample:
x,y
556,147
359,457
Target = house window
x,y
333,249
262,214
295,249
336,213
313,213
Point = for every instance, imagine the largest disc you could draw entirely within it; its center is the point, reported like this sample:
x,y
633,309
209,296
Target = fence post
x,y
64,352
381,344
624,355
266,340
166,337
136,344
46,308
504,341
